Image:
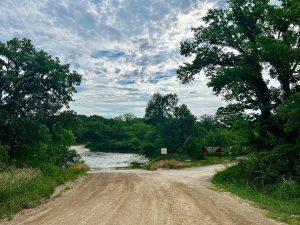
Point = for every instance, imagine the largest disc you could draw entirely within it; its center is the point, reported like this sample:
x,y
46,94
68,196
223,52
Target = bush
x,y
264,168
250,173
229,175
286,189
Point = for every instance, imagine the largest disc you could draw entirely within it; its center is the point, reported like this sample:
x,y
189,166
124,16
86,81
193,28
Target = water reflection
x,y
104,160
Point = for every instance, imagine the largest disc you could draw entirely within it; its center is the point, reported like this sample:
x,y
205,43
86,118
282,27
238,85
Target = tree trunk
x,y
285,85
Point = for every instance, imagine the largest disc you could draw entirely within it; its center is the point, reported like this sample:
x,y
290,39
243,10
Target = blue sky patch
x,y
108,54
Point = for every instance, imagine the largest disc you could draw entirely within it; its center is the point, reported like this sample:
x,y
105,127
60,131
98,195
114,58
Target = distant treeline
x,y
165,125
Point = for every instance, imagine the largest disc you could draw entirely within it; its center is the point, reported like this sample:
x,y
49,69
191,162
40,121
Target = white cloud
x,y
147,32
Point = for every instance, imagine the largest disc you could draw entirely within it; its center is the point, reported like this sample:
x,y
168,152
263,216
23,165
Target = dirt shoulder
x,y
133,197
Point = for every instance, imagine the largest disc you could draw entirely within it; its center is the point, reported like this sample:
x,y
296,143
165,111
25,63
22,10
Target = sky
x,y
125,50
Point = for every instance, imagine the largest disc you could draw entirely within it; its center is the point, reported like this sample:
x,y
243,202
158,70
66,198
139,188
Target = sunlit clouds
x,y
126,50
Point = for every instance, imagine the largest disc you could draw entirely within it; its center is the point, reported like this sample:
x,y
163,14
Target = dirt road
x,y
136,197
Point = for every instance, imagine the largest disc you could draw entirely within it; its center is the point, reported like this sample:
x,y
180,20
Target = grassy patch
x,y
282,201
25,188
136,165
180,164
211,160
169,164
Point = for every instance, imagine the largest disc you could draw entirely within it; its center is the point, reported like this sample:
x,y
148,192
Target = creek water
x,y
108,160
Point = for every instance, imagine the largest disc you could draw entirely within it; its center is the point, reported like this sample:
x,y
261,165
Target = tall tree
x,y
160,106
280,45
174,125
32,82
33,88
185,122
240,43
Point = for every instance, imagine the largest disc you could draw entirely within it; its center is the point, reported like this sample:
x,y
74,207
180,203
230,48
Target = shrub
x,y
229,175
286,189
264,168
261,171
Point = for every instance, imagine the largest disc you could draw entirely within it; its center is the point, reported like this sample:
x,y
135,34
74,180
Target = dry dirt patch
x,y
137,197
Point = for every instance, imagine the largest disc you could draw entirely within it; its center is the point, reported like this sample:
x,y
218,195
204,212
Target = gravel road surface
x,y
138,197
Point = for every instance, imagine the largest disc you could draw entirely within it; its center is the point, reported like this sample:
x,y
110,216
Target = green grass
x,y
25,188
281,203
211,160
180,164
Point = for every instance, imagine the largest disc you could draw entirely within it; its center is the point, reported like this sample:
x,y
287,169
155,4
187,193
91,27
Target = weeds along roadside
x,y
27,187
280,199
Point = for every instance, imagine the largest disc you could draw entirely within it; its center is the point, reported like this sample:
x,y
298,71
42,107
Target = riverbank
x,y
108,160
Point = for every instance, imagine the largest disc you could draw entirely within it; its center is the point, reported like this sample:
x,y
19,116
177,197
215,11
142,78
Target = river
x,y
107,160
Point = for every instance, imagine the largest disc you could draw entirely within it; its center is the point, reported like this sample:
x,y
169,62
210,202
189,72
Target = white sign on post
x,y
164,151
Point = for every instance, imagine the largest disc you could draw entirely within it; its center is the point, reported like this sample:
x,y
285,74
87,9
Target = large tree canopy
x,y
34,87
242,42
32,83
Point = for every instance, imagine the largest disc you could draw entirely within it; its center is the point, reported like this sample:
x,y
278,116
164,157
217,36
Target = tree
x,y
210,123
238,45
185,122
174,125
32,82
126,117
34,87
160,107
280,45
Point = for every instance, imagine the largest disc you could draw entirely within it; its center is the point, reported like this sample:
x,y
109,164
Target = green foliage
x,y
34,87
174,126
271,178
177,129
115,135
33,84
288,113
160,107
25,188
237,46
232,49
136,165
281,200
264,169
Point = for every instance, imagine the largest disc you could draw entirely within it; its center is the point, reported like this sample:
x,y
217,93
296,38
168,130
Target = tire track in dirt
x,y
136,197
